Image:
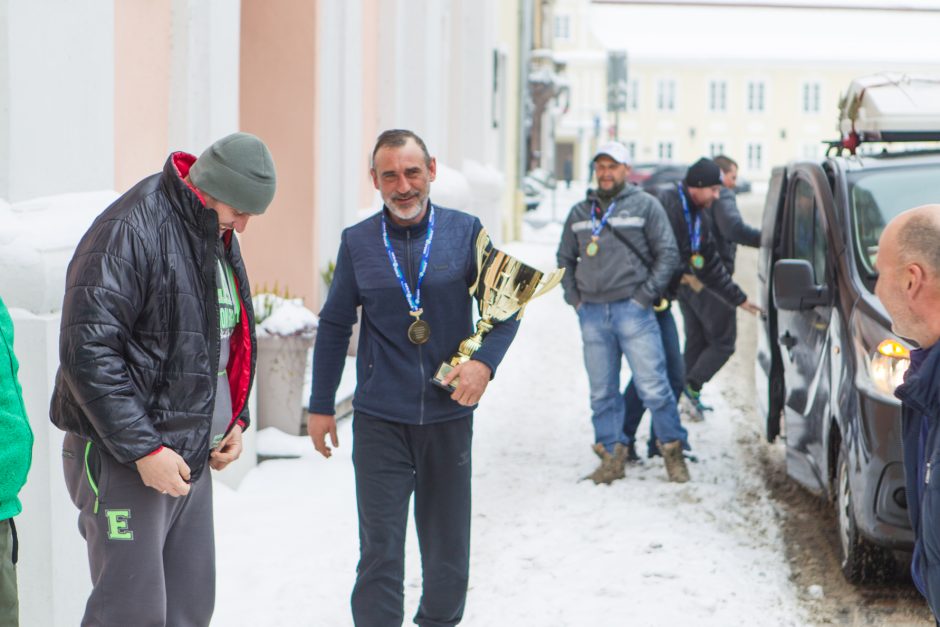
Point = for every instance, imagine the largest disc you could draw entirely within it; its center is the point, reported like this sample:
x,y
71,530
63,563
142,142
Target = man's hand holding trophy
x,y
503,287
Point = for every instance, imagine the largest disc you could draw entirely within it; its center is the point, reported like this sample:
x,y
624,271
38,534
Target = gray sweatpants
x,y
152,556
9,606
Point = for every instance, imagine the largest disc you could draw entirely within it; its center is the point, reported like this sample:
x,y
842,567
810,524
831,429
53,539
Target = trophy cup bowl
x,y
503,287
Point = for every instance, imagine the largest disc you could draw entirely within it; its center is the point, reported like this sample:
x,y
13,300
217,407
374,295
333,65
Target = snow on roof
x,y
673,31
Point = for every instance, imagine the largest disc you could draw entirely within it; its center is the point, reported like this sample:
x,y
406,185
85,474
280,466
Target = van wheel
x,y
861,561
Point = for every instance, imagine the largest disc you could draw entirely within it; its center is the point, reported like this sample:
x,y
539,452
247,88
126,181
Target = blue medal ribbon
x,y
414,301
695,230
595,227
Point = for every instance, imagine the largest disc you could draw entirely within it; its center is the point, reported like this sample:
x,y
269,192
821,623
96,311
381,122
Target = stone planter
x,y
282,362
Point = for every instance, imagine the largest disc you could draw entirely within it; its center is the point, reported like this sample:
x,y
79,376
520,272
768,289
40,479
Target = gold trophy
x,y
504,286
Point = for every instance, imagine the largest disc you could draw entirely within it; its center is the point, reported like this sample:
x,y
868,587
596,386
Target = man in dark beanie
x,y
700,270
157,355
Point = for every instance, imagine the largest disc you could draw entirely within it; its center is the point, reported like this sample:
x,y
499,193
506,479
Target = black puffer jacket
x,y
139,343
713,274
729,229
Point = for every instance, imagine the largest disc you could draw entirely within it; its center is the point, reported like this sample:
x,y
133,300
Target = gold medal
x,y
419,331
698,261
592,247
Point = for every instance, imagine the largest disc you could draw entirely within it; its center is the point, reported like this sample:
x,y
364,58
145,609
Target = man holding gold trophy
x,y
619,253
414,268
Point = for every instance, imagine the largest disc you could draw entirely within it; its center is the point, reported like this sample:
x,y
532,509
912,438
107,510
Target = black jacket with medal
x,y
713,273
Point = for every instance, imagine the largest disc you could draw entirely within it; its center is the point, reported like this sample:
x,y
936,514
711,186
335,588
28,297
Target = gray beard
x,y
406,217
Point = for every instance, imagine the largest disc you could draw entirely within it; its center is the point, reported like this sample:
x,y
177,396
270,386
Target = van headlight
x,y
887,365
881,357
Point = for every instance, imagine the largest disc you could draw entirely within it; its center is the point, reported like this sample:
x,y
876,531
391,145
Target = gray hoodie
x,y
615,272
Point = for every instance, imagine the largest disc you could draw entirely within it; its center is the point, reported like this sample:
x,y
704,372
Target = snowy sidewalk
x,y
547,550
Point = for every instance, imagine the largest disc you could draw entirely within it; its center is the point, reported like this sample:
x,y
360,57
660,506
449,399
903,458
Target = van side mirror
x,y
795,287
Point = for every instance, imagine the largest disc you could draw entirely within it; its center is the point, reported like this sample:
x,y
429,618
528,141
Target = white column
x,y
340,163
56,97
52,573
204,72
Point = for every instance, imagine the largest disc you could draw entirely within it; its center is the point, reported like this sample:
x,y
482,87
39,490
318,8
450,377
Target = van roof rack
x,y
889,107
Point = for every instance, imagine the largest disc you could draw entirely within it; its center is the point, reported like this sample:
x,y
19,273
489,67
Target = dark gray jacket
x,y
729,229
713,274
615,272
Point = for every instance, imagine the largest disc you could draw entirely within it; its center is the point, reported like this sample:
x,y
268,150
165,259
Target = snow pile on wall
x,y
487,184
276,315
37,240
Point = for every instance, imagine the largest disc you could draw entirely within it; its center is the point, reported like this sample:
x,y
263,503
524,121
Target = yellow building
x,y
760,84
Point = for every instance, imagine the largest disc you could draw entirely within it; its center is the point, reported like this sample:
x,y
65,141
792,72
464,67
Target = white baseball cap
x,y
616,151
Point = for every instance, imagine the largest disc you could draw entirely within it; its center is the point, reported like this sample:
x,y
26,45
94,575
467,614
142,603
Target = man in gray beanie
x,y
157,355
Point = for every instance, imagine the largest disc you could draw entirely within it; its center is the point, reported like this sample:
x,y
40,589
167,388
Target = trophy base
x,y
438,378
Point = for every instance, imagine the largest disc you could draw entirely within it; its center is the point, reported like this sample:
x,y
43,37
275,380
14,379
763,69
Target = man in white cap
x,y
619,253
157,355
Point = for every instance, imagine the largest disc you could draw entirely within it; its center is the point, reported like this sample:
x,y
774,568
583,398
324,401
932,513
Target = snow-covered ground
x,y
548,550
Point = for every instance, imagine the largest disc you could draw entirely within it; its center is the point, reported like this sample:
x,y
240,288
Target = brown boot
x,y
605,472
611,466
619,460
675,461
600,475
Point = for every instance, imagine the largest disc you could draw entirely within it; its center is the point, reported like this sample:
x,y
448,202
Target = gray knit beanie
x,y
239,171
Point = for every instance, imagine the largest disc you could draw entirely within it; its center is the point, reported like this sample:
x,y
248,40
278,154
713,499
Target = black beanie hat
x,y
703,173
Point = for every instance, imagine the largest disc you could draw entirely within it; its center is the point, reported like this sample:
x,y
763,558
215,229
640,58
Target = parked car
x,y
827,361
542,177
664,174
640,172
533,193
742,186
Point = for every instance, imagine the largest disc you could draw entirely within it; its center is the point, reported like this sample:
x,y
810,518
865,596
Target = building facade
x,y
760,84
95,94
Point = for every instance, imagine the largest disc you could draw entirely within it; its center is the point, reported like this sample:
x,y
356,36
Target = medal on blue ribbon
x,y
695,232
596,228
419,331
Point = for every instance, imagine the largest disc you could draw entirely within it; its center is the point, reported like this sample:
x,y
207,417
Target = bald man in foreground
x,y
909,287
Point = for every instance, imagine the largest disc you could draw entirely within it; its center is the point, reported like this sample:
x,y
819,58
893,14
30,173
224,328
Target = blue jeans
x,y
611,331
675,370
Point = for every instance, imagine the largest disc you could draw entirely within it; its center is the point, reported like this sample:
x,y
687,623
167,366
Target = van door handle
x,y
788,340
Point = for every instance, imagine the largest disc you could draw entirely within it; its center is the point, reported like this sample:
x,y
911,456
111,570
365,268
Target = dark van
x,y
827,361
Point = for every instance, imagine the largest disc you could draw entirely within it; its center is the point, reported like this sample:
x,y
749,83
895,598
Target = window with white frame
x,y
664,150
755,156
562,27
633,95
666,94
716,148
811,97
631,150
755,96
717,96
